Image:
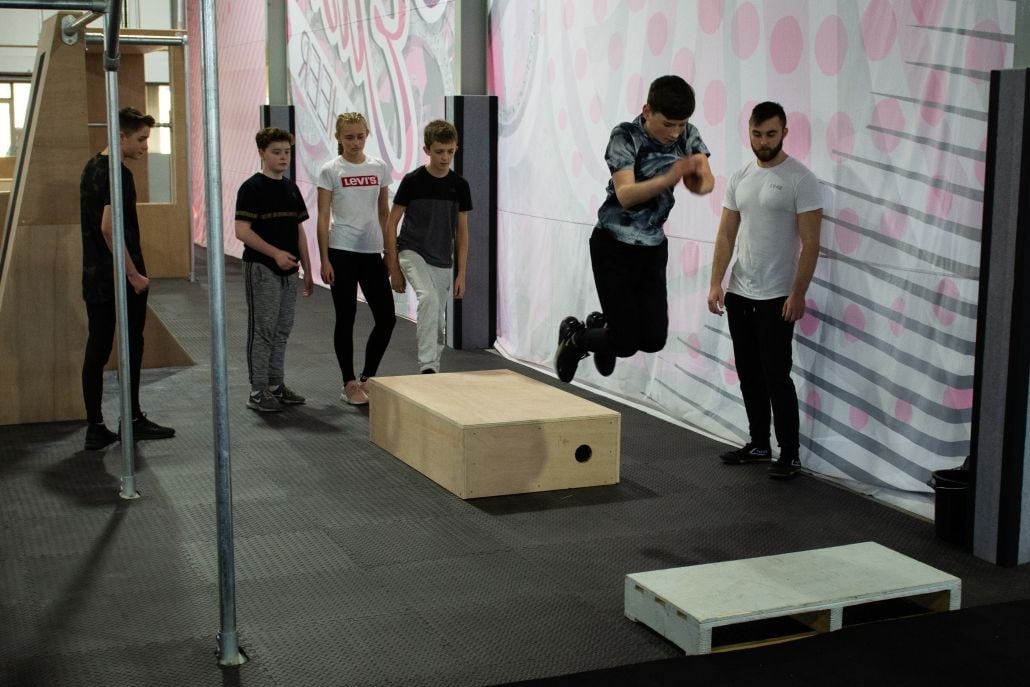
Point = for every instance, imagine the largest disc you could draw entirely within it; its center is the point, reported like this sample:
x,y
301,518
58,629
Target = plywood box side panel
x,y
427,443
542,456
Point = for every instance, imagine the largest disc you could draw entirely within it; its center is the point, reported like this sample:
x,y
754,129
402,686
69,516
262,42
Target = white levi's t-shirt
x,y
355,188
769,199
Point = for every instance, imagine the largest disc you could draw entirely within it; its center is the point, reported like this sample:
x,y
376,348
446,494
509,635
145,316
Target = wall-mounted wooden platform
x,y
494,432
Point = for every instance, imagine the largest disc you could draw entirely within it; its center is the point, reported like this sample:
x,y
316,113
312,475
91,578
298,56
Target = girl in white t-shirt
x,y
352,192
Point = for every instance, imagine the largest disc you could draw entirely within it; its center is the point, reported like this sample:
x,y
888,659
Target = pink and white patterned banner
x,y
886,103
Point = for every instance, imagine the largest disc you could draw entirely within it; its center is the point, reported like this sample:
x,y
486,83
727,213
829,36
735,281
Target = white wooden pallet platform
x,y
813,587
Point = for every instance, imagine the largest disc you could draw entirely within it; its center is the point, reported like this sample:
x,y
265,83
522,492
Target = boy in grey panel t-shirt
x,y
433,240
648,158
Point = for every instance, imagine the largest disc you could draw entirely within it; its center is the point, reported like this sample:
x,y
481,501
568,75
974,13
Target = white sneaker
x,y
353,394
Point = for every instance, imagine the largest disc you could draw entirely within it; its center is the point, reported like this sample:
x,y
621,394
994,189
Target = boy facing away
x,y
433,240
98,285
269,215
647,157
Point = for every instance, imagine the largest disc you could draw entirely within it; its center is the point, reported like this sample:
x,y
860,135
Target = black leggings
x,y
630,283
762,349
367,269
99,343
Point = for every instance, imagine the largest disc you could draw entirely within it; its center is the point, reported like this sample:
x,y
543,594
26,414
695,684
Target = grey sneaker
x,y
263,402
287,396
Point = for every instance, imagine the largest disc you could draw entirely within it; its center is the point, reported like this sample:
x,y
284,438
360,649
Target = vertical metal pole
x,y
114,160
228,642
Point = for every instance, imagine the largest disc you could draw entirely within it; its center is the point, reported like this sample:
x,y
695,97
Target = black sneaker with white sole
x,y
748,453
144,428
604,362
785,468
570,350
99,437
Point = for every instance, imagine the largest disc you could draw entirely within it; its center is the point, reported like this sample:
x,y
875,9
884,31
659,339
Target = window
x,y
14,102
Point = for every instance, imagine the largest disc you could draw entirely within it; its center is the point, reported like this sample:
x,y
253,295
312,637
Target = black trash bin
x,y
951,506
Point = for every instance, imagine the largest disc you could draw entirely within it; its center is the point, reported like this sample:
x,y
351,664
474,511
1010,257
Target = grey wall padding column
x,y
472,321
1000,480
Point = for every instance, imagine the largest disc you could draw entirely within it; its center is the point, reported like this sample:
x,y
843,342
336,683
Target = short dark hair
x,y
131,120
440,131
768,110
671,96
270,135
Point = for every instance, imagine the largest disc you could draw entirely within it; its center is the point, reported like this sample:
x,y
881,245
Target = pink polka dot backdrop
x,y
878,95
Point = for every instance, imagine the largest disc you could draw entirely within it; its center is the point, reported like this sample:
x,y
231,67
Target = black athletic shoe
x,y
747,454
785,468
604,362
98,437
569,353
142,428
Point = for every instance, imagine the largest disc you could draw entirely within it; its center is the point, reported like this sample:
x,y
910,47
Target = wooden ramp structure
x,y
42,315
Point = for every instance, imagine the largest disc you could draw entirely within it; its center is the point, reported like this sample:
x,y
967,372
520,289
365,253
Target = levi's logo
x,y
367,180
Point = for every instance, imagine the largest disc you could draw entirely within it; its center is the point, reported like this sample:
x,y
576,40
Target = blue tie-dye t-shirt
x,y
631,147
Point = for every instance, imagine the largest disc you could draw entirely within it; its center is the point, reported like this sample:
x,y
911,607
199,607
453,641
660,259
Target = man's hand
x,y
716,300
138,282
793,308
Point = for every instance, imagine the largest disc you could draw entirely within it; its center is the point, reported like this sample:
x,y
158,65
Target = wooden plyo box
x,y
494,432
815,588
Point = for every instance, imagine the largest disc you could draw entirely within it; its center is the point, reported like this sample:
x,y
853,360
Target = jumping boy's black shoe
x,y
748,453
99,436
570,351
604,362
785,468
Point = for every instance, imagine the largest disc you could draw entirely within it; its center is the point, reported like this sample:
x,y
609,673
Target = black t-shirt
x,y
431,206
274,208
97,259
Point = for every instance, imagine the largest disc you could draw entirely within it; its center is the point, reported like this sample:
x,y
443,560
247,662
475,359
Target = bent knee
x,y
652,345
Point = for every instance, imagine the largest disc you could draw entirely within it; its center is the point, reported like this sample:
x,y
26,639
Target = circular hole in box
x,y
583,453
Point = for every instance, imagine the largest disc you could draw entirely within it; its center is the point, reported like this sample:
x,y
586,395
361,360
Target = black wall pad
x,y
472,321
998,442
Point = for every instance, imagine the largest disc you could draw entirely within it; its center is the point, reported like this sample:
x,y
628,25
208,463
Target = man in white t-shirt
x,y
771,213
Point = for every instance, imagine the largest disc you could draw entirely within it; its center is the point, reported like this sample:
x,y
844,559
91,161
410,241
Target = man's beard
x,y
767,155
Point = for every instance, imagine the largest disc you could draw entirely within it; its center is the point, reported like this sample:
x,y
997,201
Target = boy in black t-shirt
x,y
269,213
435,202
98,286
